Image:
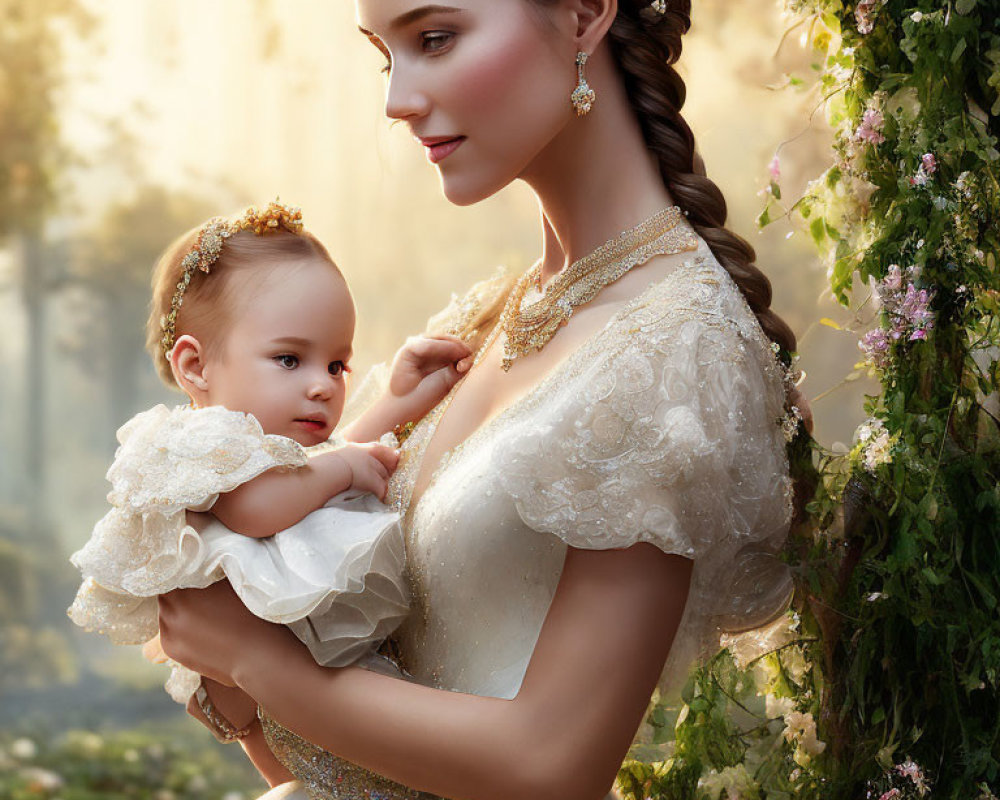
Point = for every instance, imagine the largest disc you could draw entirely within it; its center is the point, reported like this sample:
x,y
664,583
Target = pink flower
x,y
870,129
910,769
929,163
774,168
908,315
894,280
890,794
865,14
875,345
915,310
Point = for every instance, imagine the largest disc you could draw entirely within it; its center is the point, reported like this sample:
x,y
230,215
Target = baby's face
x,y
284,359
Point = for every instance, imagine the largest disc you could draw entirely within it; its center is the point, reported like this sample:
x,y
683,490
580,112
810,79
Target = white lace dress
x,y
335,578
663,427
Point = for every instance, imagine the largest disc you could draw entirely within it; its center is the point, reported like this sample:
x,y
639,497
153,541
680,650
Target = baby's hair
x,y
211,299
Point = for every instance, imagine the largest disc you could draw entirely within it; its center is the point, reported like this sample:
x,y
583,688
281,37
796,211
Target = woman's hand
x,y
211,632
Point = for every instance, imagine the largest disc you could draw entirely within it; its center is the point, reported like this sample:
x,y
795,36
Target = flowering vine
x,y
885,680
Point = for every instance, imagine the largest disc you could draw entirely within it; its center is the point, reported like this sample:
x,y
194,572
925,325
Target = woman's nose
x,y
404,99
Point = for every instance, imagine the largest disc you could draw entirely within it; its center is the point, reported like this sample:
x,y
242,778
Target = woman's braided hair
x,y
645,45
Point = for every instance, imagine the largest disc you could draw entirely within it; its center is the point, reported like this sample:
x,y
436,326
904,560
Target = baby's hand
x,y
371,465
425,369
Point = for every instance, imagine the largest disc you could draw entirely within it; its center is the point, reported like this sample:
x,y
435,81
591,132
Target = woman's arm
x,y
596,662
278,499
241,711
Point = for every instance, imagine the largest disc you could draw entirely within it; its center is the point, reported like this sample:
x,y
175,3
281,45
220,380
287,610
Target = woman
x,y
612,469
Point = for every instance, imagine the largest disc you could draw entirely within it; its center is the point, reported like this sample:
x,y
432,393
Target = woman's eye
x,y
433,41
287,361
387,68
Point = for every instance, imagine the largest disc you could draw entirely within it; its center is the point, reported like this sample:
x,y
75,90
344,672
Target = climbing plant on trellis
x,y
885,683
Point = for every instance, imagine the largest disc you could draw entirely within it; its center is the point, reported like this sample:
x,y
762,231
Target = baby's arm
x,y
278,499
423,371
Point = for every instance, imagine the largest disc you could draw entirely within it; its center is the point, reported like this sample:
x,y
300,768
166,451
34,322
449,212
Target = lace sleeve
x,y
668,432
184,458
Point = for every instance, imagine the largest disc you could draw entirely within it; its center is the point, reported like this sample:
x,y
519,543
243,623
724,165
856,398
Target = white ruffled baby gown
x,y
335,578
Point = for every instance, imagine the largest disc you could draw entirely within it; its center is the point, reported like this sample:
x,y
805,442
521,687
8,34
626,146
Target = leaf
x,y
932,577
959,49
830,324
765,217
988,597
817,229
963,7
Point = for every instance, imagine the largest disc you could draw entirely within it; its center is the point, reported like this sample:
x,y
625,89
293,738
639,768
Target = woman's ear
x,y
593,21
187,361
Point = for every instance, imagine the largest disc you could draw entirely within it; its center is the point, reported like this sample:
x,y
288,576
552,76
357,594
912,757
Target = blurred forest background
x,y
123,123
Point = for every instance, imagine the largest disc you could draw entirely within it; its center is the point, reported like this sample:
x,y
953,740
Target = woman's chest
x,y
481,581
489,391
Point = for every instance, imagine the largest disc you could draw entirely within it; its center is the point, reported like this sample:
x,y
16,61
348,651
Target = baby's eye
x,y
287,361
338,368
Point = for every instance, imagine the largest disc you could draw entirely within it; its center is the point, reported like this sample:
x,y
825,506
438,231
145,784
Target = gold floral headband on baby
x,y
208,248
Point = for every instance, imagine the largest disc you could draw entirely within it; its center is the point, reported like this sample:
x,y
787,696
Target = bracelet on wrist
x,y
221,728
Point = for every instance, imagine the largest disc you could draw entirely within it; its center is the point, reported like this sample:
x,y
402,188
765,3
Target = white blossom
x,y
800,729
42,779
778,707
23,749
732,783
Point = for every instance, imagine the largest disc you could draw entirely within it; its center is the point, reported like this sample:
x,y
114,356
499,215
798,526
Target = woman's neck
x,y
596,179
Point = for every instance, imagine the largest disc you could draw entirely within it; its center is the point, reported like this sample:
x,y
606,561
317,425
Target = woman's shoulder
x,y
698,298
462,310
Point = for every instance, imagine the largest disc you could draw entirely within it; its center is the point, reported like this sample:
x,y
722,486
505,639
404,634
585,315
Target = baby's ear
x,y
187,361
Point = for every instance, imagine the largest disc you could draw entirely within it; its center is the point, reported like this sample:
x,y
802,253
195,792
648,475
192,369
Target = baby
x,y
254,322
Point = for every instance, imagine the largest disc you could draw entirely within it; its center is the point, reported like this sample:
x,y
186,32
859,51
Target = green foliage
x,y
898,567
744,728
31,153
914,200
133,765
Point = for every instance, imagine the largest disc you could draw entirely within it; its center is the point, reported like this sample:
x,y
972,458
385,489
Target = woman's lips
x,y
439,149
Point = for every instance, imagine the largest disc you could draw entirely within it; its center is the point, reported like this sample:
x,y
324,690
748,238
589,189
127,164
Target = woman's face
x,y
483,84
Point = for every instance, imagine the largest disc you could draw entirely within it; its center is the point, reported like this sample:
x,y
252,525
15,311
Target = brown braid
x,y
645,47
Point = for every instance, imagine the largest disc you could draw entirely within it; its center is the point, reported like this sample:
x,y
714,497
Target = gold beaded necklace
x,y
528,328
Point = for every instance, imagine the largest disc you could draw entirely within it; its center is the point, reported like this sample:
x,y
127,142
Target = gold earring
x,y
583,97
